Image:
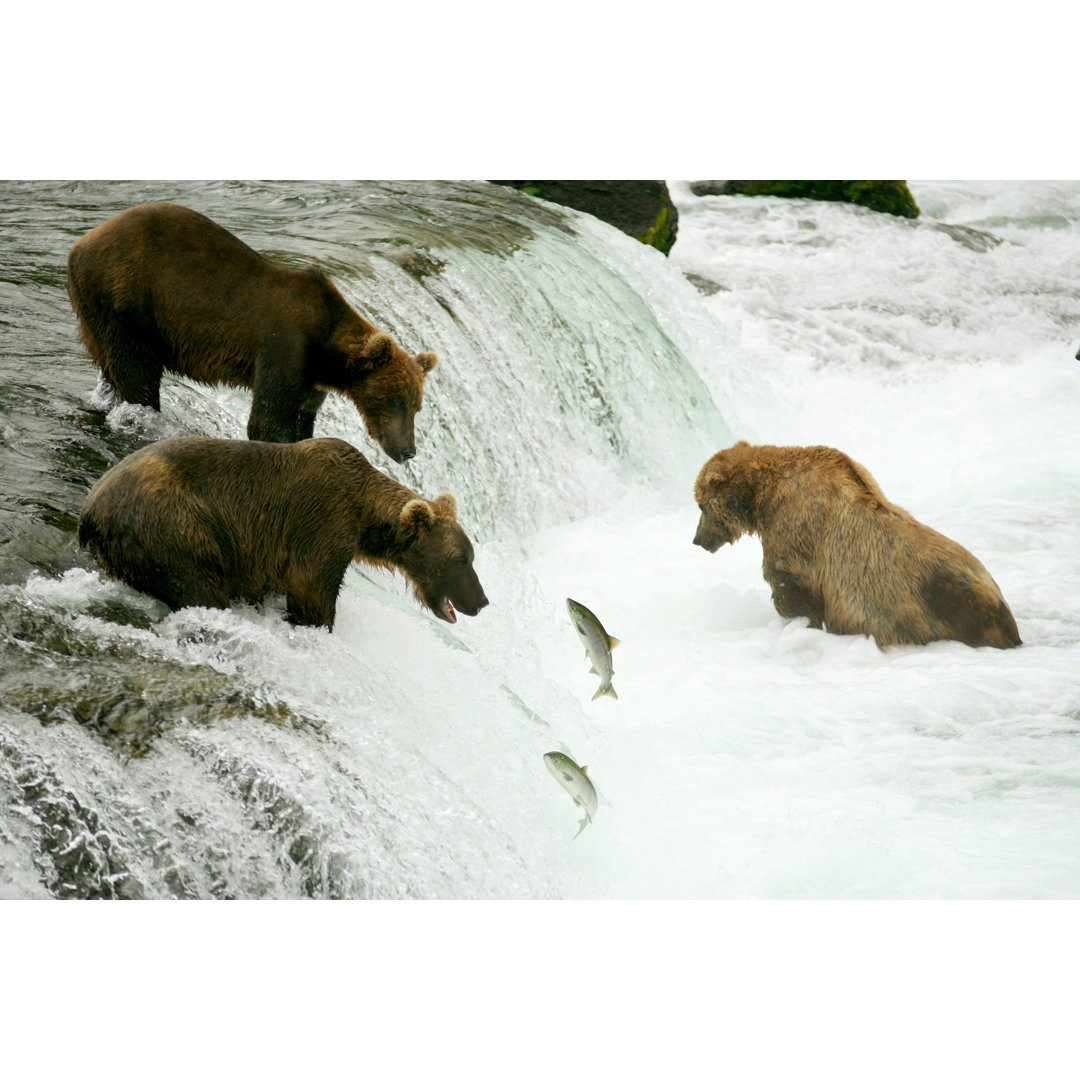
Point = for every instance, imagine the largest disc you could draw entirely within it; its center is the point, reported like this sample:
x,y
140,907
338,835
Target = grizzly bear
x,y
197,521
837,551
162,288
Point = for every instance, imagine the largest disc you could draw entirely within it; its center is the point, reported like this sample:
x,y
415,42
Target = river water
x,y
583,380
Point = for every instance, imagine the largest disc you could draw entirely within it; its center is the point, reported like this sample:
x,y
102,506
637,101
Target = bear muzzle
x,y
710,539
399,451
396,434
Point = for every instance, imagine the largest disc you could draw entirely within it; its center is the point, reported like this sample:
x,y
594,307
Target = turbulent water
x,y
583,380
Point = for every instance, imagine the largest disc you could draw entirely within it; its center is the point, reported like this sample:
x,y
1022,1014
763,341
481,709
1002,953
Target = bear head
x,y
389,392
724,495
437,557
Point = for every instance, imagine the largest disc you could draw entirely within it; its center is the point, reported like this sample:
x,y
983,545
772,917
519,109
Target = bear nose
x,y
408,452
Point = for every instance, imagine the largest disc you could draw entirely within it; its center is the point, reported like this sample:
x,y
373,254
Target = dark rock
x,y
640,208
888,196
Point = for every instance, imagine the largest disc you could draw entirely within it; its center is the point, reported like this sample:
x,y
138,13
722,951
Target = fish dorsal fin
x,y
612,642
584,770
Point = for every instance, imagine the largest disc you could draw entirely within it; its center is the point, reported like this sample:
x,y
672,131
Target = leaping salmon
x,y
573,779
598,645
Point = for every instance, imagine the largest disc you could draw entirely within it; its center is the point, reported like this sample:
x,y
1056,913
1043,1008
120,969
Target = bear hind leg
x,y
126,349
963,610
130,366
176,586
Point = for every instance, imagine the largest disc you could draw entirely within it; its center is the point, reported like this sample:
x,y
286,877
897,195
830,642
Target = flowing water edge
x,y
583,380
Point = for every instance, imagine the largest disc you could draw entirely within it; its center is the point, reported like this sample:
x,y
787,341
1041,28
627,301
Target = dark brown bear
x,y
837,551
207,521
162,288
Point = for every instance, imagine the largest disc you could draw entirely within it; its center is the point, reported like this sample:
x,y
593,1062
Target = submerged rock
x,y
110,688
887,196
975,239
705,286
640,208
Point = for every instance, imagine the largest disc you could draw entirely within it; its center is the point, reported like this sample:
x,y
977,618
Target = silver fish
x,y
575,782
598,645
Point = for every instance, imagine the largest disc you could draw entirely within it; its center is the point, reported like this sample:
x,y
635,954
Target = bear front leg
x,y
793,599
311,607
280,388
308,411
312,589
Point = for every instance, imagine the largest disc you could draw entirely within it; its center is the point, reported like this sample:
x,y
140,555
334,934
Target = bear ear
x,y
415,519
377,350
426,360
445,506
720,472
715,473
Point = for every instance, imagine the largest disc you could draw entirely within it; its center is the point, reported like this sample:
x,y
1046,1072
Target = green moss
x,y
640,208
886,196
658,235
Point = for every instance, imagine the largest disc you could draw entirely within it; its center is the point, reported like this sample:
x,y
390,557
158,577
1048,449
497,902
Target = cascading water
x,y
276,762
582,382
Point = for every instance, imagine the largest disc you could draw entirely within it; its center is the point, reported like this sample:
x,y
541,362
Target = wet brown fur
x,y
838,552
161,288
197,521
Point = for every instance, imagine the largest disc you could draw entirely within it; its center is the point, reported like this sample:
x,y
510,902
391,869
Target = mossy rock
x,y
887,196
642,209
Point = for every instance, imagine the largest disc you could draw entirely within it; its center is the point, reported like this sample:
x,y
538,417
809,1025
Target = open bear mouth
x,y
446,611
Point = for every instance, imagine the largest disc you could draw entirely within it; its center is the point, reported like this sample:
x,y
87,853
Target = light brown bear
x,y
163,288
203,522
837,551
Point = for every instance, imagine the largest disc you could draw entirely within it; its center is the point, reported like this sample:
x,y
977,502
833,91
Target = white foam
x,y
746,756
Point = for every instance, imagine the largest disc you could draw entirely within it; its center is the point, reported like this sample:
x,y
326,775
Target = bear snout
x,y
399,452
470,604
708,538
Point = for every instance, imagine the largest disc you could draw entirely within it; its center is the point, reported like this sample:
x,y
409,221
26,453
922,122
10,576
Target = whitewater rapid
x,y
584,379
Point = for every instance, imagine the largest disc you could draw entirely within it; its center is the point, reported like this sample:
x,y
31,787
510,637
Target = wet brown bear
x,y
161,288
204,522
837,551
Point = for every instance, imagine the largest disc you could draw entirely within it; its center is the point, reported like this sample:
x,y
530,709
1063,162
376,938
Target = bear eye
x,y
397,406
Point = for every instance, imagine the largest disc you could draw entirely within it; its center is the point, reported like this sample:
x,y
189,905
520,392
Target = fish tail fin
x,y
606,691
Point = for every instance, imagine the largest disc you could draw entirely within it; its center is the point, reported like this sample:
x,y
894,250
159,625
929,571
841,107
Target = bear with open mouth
x,y
203,522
